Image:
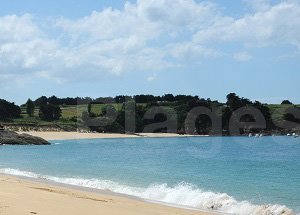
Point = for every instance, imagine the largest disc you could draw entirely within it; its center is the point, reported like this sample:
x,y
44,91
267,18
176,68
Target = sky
x,y
99,48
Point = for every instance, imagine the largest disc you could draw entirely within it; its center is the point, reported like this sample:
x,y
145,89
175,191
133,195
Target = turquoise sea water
x,y
239,175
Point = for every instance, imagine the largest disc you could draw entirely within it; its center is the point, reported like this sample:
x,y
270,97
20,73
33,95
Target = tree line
x,y
172,107
111,100
47,111
177,110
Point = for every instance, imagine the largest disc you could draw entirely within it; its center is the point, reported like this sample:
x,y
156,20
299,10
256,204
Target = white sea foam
x,y
182,195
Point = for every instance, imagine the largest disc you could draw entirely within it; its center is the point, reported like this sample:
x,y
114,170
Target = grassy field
x,y
69,117
68,120
277,110
71,113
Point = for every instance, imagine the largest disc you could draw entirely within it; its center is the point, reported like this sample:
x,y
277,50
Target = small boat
x,y
250,135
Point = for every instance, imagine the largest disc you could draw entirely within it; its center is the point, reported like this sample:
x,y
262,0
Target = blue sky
x,y
99,48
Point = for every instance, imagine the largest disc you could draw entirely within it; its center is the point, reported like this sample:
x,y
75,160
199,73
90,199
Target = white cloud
x,y
24,49
145,20
152,77
189,50
278,25
242,56
149,35
121,40
259,5
18,28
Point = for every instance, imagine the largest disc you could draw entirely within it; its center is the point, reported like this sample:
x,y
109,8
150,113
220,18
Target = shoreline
x,y
61,135
80,186
24,195
73,135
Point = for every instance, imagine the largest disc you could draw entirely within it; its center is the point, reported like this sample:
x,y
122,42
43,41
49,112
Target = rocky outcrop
x,y
13,138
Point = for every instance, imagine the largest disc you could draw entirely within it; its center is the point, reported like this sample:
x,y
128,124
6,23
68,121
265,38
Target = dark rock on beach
x,y
13,138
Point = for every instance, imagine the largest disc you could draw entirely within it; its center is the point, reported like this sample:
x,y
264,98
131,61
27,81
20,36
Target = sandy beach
x,y
25,196
78,135
22,196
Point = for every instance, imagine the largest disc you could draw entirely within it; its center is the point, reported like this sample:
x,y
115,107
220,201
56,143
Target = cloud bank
x,y
149,36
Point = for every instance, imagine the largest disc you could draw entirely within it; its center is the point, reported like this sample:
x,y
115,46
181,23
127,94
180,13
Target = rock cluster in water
x,y
13,138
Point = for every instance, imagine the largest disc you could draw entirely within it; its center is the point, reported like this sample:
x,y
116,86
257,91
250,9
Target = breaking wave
x,y
182,195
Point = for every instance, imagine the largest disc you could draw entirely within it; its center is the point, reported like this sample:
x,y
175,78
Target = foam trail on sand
x,y
182,194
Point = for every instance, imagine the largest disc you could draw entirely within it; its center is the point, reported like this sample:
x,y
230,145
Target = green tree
x,y
9,110
89,108
43,100
49,112
286,102
30,107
